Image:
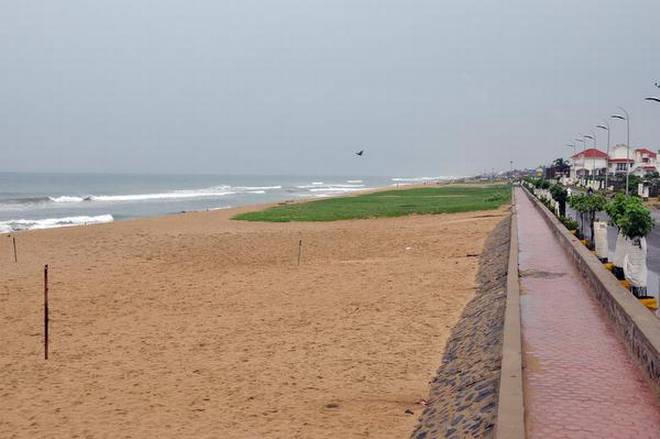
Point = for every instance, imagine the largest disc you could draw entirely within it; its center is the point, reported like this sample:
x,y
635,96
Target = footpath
x,y
579,381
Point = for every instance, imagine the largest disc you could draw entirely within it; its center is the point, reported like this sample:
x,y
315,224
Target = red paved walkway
x,y
579,380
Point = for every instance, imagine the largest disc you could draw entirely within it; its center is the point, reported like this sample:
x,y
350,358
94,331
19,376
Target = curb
x,y
511,409
638,328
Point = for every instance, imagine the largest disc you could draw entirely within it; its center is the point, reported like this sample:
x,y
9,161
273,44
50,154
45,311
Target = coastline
x,y
197,325
235,209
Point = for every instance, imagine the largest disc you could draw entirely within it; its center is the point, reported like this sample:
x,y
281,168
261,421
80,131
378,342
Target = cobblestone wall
x,y
463,397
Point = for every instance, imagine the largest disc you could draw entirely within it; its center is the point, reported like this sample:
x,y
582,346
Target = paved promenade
x,y
579,380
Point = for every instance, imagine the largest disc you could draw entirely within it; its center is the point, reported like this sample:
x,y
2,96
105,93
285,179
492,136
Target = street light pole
x,y
584,154
627,119
606,126
593,168
593,162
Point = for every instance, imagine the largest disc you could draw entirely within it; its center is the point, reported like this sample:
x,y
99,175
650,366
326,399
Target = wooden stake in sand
x,y
13,240
46,312
299,251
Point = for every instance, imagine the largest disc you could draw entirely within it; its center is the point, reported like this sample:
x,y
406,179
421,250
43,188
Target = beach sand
x,y
194,325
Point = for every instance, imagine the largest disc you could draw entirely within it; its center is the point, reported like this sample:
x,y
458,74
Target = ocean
x,y
39,201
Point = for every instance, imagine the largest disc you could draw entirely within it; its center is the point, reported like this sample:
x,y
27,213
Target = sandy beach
x,y
195,325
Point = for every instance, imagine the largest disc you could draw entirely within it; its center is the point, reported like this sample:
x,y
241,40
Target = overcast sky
x,y
222,86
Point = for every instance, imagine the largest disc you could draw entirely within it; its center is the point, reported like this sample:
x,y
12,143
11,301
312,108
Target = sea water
x,y
37,201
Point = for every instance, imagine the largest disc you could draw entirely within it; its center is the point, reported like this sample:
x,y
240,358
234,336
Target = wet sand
x,y
194,325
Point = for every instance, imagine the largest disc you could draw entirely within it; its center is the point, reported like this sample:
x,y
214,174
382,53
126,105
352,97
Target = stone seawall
x,y
463,398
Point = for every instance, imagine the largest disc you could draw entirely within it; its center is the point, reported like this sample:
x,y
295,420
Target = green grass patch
x,y
400,202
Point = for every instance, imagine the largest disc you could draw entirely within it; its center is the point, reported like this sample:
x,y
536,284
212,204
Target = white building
x,y
588,162
593,161
645,161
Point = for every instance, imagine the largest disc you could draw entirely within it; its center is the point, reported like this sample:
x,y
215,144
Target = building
x,y
594,162
589,162
645,161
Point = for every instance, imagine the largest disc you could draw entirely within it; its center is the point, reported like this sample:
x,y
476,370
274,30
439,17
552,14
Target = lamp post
x,y
593,168
606,126
627,119
584,146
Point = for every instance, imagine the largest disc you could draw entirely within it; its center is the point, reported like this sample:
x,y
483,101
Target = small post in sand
x,y
299,251
13,240
46,312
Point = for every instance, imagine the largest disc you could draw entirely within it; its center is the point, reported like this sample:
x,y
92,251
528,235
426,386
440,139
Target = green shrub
x,y
569,222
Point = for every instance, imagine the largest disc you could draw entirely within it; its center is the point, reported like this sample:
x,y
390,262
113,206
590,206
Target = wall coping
x,y
511,410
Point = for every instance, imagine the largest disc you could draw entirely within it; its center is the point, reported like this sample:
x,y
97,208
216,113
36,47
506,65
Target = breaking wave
x,y
49,223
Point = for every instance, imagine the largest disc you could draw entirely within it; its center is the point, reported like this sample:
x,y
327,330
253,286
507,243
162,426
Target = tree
x,y
578,203
636,220
587,206
559,194
615,209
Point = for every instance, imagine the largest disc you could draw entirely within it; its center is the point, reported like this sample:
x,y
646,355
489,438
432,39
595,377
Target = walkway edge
x,y
511,409
639,329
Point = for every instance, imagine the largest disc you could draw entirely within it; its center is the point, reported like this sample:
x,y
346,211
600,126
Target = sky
x,y
425,87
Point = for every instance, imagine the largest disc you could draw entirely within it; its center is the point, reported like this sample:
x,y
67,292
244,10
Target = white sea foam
x,y
49,223
256,192
421,179
338,189
195,193
330,186
354,181
257,188
66,199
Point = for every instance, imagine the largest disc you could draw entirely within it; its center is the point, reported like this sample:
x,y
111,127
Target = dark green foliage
x,y
633,181
559,194
560,163
636,221
615,208
587,206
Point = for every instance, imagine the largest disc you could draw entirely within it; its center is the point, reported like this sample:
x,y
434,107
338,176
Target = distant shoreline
x,y
107,218
230,209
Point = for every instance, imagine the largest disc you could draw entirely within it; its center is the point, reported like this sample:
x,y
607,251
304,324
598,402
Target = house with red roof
x,y
593,161
589,162
645,161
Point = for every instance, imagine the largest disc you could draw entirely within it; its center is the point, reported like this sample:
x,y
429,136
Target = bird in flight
x,y
360,153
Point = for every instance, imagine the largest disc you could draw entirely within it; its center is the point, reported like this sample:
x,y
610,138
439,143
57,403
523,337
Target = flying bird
x,y
360,153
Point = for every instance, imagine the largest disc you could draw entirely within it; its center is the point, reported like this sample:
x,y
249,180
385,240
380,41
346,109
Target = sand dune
x,y
198,326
